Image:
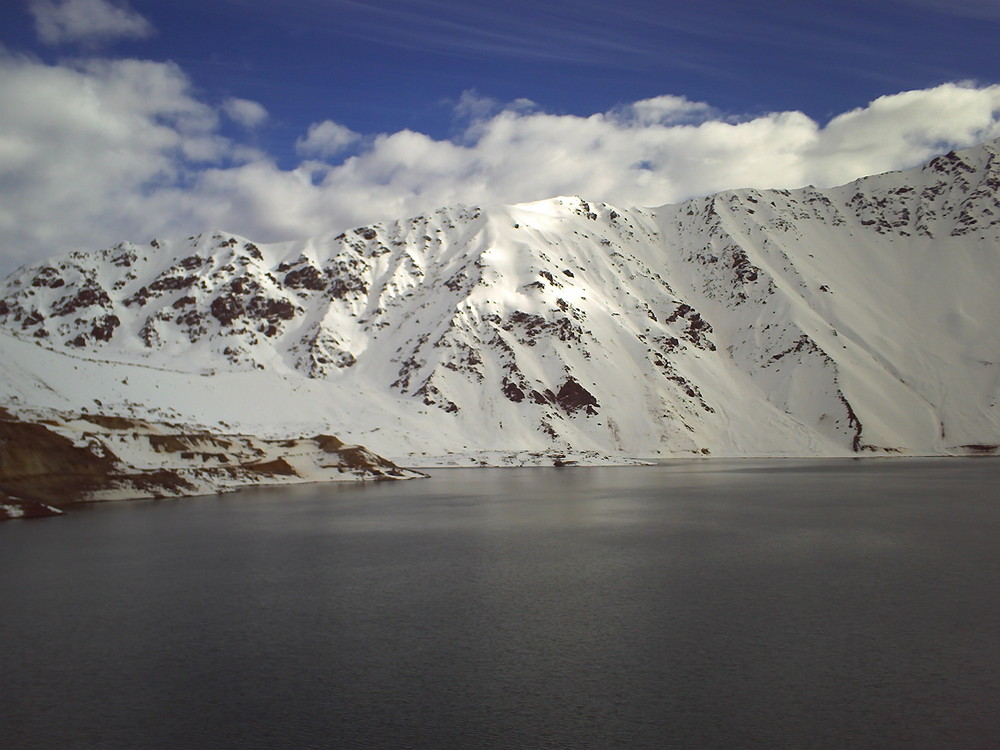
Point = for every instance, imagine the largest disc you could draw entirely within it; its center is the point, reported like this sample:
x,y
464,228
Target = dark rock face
x,y
512,392
545,397
347,284
171,283
226,308
306,277
272,310
90,294
573,397
530,327
104,328
191,262
123,258
48,277
697,329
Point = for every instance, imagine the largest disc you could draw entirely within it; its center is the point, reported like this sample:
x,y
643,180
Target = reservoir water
x,y
702,604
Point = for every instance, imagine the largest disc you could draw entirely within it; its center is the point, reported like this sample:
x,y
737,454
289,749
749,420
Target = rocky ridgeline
x,y
585,324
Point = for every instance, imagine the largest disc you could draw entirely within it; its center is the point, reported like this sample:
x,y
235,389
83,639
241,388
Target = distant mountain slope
x,y
862,318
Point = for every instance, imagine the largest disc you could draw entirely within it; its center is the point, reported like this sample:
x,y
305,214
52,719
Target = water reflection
x,y
696,604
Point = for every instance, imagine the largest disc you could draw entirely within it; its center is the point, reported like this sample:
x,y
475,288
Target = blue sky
x,y
127,120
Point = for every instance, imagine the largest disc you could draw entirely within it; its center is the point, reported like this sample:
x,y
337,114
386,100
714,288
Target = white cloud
x,y
87,21
247,113
86,151
97,152
905,127
471,105
325,139
659,151
665,110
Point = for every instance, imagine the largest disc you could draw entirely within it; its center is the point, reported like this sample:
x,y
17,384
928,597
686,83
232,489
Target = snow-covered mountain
x,y
862,318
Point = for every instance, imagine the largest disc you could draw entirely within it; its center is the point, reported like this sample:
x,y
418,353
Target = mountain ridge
x,y
855,319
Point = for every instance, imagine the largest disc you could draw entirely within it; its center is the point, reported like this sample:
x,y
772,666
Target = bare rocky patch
x,y
53,462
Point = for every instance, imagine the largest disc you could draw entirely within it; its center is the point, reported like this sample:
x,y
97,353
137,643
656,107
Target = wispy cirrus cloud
x,y
575,32
986,9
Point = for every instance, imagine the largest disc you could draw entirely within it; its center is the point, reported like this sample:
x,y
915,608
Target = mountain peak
x,y
752,322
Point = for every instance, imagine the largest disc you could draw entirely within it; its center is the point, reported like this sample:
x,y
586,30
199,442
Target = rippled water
x,y
712,604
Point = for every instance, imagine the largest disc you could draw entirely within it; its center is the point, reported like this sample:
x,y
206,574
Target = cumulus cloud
x,y
660,150
247,113
87,21
93,150
475,107
666,110
325,139
100,151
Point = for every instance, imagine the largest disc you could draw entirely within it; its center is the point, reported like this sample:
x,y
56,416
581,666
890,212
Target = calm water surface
x,y
713,604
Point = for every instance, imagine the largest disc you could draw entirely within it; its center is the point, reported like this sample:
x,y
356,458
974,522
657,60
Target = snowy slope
x,y
805,322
